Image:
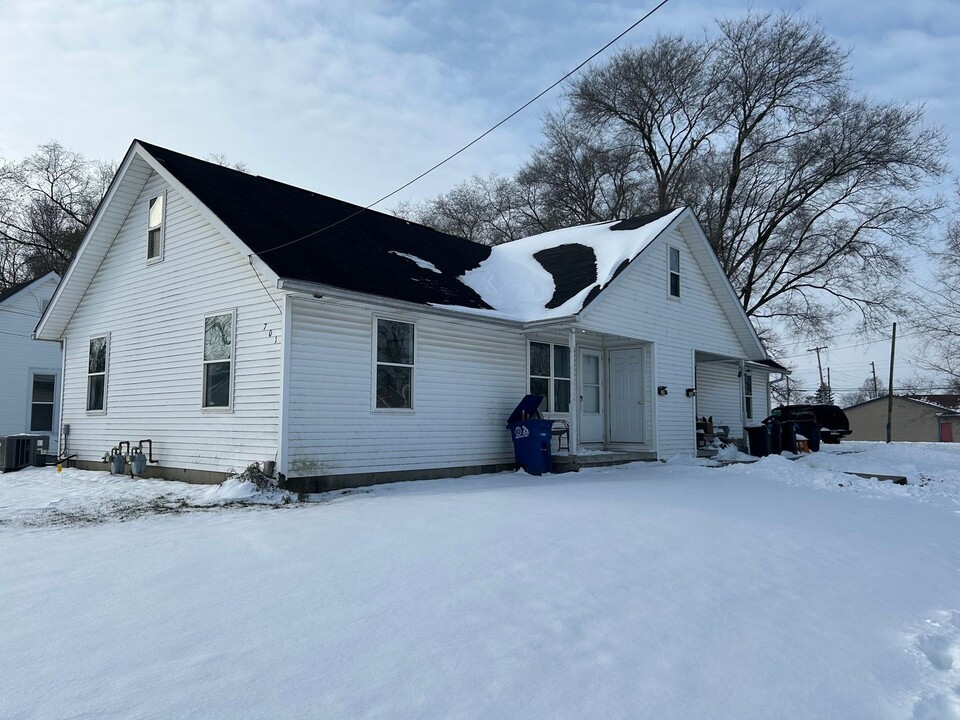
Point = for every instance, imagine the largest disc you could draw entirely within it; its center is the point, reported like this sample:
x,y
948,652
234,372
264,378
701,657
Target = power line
x,y
472,142
855,345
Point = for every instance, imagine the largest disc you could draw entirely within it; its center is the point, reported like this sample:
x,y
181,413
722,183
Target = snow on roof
x,y
515,283
419,262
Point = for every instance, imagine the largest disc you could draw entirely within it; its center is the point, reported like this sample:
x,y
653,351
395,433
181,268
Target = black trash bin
x,y
811,431
788,435
776,440
759,437
531,436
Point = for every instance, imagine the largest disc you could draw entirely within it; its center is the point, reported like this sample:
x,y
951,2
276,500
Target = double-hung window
x,y
155,229
395,363
97,374
218,360
550,375
674,272
748,395
41,403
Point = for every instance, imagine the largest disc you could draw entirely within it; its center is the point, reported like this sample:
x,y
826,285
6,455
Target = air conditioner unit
x,y
20,451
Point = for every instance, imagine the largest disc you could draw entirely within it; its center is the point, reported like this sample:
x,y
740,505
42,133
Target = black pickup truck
x,y
831,419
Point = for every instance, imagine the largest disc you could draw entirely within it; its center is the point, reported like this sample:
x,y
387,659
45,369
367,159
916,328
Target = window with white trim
x,y
674,254
155,228
550,375
395,365
218,360
97,374
41,402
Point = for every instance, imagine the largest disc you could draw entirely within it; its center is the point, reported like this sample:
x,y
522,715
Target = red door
x,y
946,432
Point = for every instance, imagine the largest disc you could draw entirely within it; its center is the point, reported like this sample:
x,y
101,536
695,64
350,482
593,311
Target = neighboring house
x,y
30,381
916,418
230,318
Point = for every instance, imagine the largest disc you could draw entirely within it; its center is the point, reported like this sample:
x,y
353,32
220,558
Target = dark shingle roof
x,y
359,254
573,266
13,290
951,402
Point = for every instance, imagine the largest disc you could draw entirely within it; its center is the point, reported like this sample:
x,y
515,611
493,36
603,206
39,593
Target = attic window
x,y
674,272
155,229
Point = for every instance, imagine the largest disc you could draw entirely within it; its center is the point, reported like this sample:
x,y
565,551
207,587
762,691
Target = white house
x,y
30,377
230,318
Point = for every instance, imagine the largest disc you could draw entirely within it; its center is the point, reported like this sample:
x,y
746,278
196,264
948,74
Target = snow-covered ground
x,y
778,589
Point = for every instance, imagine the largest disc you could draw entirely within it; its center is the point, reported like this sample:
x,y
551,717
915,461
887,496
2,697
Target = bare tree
x,y
939,315
47,201
221,159
809,192
865,392
488,210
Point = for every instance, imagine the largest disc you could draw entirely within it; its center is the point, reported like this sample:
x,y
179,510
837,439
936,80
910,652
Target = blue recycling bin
x,y
531,436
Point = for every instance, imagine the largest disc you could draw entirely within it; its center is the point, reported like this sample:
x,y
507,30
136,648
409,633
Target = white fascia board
x,y
40,331
559,323
320,291
207,214
767,369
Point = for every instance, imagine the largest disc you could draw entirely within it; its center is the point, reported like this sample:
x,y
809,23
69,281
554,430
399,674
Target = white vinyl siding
x,y
718,395
469,377
23,359
633,306
155,368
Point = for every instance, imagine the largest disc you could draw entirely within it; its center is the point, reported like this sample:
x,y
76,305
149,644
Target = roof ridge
x,y
348,206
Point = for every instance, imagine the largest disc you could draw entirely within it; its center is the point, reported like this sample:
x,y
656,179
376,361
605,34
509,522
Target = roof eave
x,y
322,291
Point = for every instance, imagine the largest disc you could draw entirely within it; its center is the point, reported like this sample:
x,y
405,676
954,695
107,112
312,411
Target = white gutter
x,y
321,292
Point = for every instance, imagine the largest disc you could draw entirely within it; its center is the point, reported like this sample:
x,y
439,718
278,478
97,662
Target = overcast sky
x,y
353,99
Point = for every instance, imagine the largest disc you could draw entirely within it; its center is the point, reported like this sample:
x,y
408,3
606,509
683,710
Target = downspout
x,y
283,435
743,402
61,437
574,394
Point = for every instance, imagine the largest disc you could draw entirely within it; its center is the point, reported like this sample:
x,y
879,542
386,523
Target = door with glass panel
x,y
591,397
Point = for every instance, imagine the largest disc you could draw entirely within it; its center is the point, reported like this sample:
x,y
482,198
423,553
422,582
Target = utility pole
x,y
893,347
876,392
829,386
819,366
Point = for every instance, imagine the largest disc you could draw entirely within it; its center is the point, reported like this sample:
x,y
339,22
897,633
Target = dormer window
x,y
155,229
674,272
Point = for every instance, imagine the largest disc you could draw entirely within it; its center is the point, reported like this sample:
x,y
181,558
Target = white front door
x,y
626,396
591,397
